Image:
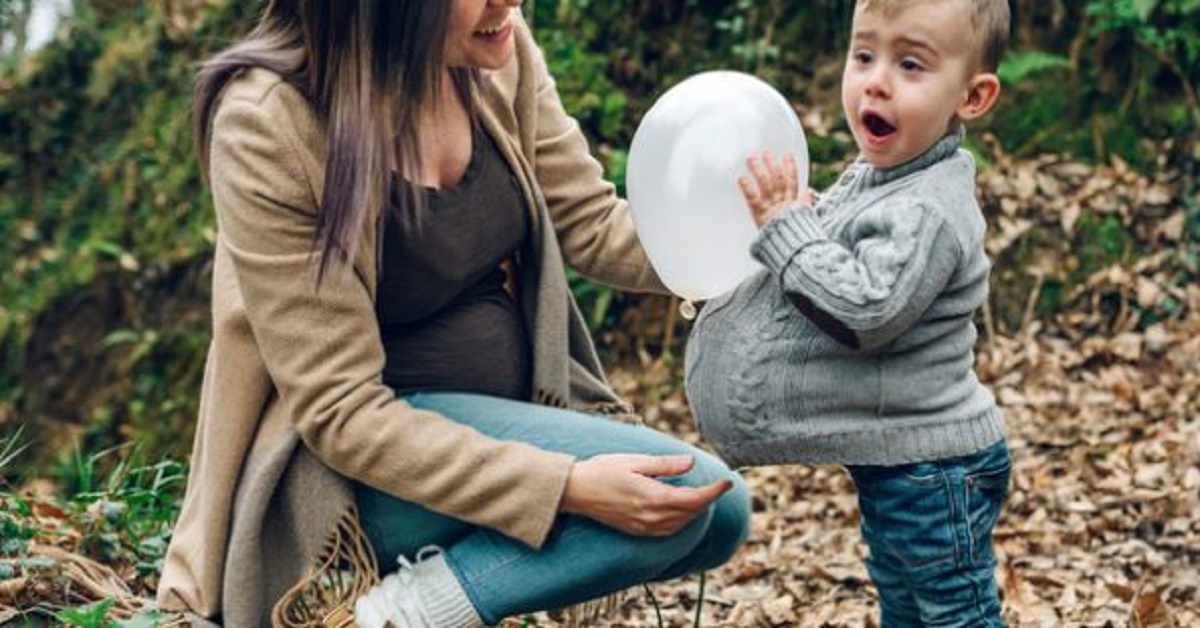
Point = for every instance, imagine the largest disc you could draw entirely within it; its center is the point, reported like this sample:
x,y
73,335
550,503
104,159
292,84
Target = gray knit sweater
x,y
855,344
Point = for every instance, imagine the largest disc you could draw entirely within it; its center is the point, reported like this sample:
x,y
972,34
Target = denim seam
x,y
963,523
956,514
939,481
481,582
977,587
984,479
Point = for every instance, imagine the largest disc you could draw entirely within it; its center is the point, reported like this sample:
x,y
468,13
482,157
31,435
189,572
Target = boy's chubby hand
x,y
771,187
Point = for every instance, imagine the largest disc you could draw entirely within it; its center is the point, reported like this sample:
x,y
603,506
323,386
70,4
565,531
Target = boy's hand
x,y
770,188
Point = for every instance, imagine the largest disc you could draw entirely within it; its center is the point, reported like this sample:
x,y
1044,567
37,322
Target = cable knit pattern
x,y
855,344
869,272
856,279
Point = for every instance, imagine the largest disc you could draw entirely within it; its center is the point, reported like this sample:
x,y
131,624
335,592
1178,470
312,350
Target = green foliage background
x,y
106,229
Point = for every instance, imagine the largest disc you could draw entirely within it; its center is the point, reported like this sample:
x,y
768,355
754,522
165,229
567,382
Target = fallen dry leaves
x,y
1102,526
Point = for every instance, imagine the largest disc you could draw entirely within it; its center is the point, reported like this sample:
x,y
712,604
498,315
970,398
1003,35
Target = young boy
x,y
855,345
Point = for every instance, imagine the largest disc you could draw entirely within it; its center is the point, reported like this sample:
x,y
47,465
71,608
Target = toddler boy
x,y
856,344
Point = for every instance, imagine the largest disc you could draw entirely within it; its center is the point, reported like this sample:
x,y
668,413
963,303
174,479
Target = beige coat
x,y
293,403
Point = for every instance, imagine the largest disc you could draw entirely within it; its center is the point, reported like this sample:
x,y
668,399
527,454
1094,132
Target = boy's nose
x,y
877,83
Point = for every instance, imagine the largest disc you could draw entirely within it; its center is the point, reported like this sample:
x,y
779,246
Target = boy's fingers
x,y
761,176
790,176
769,164
776,174
750,193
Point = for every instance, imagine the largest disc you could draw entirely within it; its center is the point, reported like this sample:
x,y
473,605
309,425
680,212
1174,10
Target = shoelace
x,y
423,554
401,587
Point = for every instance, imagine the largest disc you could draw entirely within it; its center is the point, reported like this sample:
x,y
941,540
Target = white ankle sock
x,y
442,595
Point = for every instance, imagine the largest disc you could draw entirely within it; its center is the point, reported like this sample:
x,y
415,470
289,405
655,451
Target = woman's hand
x,y
771,188
620,491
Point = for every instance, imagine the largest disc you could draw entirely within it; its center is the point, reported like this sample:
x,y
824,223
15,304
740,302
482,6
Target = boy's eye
x,y
863,56
911,65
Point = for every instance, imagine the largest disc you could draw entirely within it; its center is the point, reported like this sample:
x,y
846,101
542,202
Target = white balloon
x,y
681,178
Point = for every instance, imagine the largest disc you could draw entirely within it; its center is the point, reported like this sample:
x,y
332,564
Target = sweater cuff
x,y
784,235
443,596
539,516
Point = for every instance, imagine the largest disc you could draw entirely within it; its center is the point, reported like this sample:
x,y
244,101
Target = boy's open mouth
x,y
877,125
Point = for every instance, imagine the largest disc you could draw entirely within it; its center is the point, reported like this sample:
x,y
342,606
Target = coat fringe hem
x,y
347,569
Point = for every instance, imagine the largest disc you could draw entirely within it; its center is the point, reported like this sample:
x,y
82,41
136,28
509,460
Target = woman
x,y
397,188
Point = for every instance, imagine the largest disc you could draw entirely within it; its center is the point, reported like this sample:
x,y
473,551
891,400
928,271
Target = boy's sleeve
x,y
868,291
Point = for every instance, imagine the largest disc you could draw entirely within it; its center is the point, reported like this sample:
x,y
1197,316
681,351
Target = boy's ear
x,y
982,92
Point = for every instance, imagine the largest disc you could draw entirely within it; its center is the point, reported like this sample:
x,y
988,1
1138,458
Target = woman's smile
x,y
480,34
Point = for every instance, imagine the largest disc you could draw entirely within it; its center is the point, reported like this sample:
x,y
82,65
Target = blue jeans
x,y
581,559
929,528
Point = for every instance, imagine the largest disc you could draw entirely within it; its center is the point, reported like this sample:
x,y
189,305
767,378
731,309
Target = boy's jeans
x,y
581,559
929,528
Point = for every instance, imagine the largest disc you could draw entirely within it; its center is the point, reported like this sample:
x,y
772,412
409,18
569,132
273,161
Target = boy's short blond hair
x,y
989,17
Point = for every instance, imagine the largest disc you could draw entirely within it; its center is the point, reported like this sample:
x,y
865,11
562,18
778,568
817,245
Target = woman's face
x,y
480,34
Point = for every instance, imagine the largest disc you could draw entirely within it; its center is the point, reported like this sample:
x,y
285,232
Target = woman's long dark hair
x,y
371,69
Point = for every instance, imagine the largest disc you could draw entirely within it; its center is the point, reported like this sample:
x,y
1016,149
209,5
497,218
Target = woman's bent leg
x,y
581,559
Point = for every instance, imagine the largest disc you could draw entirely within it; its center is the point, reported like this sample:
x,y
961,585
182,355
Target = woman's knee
x,y
729,525
718,532
716,535
653,554
728,519
707,469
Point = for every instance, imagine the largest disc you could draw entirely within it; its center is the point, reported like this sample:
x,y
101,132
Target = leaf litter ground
x,y
1102,526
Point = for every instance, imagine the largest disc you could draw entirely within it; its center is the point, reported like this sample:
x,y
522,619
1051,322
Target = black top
x,y
446,321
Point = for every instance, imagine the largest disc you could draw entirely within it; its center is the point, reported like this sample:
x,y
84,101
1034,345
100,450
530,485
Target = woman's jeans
x,y
581,559
929,528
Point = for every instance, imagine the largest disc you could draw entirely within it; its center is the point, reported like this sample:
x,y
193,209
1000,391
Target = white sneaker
x,y
394,602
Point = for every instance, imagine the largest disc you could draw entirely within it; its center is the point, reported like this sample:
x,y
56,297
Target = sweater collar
x,y
943,148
